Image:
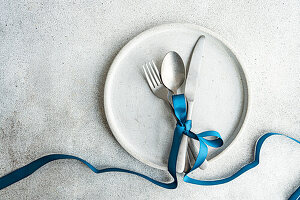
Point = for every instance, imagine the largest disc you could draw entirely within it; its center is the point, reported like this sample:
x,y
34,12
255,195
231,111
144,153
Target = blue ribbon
x,y
183,126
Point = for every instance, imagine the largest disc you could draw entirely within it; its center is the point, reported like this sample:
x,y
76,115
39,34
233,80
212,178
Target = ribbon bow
x,y
184,126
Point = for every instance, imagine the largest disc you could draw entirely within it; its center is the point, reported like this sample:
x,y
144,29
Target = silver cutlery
x,y
155,83
192,83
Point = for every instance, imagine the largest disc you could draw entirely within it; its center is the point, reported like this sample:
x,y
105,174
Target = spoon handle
x,y
181,159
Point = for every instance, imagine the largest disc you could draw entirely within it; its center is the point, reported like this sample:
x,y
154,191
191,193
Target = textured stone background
x,y
54,57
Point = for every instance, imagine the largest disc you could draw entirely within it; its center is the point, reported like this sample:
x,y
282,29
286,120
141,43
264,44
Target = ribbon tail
x,y
23,172
295,195
30,168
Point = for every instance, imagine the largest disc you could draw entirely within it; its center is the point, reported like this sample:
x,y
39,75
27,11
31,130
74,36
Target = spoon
x,y
173,76
172,71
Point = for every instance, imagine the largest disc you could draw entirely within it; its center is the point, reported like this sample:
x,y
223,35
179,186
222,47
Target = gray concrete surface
x,y
54,57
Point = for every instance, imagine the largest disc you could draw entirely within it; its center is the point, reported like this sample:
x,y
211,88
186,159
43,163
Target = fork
x,y
157,87
154,81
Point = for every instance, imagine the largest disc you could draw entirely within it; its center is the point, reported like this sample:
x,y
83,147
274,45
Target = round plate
x,y
142,123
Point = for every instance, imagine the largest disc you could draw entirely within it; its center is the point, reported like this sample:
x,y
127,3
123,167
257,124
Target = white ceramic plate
x,y
142,123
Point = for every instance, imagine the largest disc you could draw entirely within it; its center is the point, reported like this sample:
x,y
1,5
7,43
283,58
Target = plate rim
x,y
109,115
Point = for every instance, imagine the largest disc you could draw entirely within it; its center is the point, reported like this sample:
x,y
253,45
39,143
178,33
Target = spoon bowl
x,y
172,71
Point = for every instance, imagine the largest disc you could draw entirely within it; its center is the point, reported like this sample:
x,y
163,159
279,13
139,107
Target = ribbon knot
x,y
187,126
184,127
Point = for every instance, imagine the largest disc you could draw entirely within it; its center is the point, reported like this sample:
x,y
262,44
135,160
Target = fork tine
x,y
148,79
154,74
155,83
156,70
